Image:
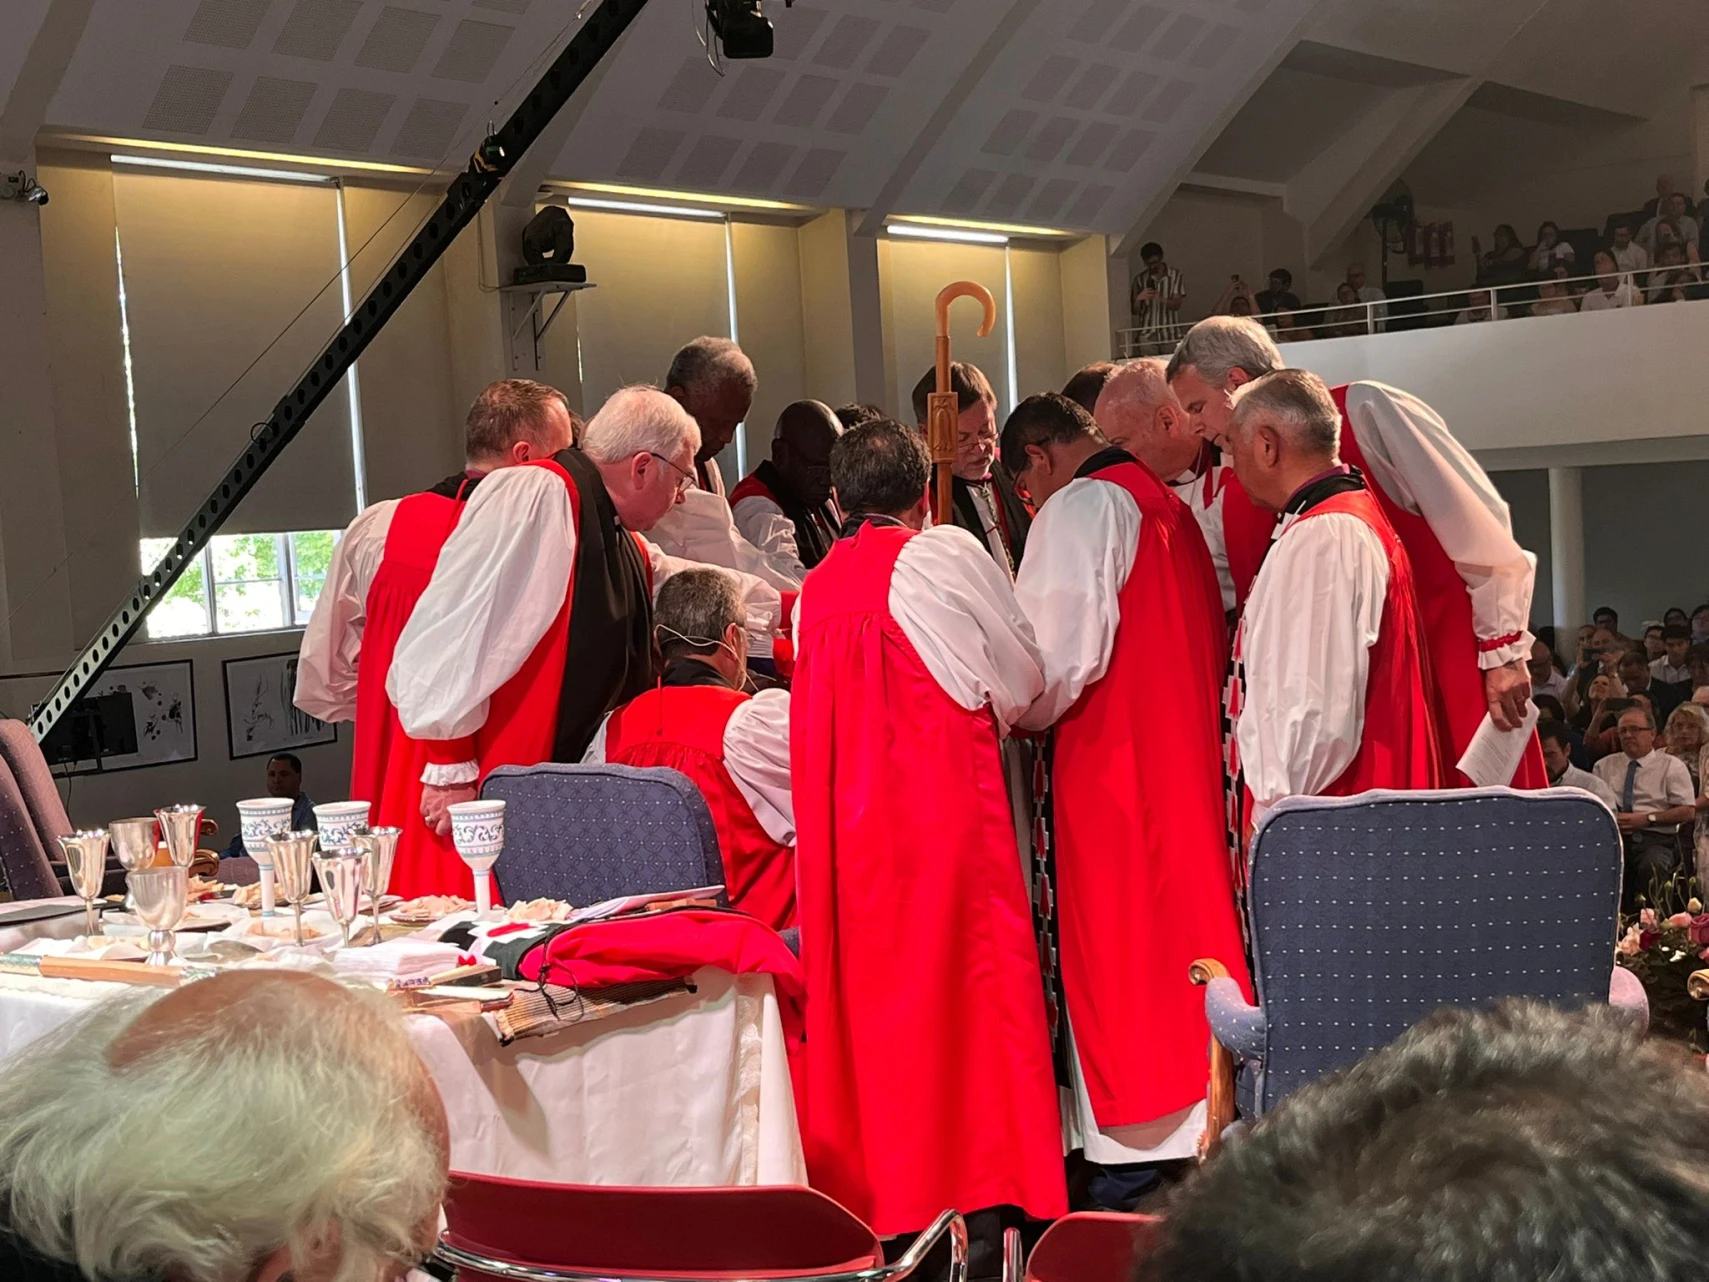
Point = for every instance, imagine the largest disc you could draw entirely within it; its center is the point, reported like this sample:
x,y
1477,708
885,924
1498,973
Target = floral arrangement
x,y
1663,945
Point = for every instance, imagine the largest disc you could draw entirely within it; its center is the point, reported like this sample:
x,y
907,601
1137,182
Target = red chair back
x,y
1091,1246
710,1233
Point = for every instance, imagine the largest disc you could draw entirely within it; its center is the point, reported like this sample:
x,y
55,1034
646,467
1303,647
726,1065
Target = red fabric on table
x,y
673,945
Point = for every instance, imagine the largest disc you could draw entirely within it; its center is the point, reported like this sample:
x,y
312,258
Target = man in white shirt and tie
x,y
1655,796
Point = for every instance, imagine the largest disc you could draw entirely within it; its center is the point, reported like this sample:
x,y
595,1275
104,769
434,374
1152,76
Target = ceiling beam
x,y
1239,186
44,66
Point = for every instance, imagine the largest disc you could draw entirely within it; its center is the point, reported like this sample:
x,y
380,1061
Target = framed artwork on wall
x,y
162,703
260,717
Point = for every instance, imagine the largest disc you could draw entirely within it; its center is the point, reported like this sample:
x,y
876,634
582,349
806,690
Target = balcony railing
x,y
1480,303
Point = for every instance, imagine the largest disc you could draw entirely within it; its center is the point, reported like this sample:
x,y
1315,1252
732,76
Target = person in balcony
x,y
1675,278
1346,320
1553,298
1673,211
1236,300
1629,255
1506,261
1612,289
1480,306
1549,250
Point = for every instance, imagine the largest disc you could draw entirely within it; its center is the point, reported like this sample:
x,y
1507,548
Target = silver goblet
x,y
133,842
181,826
162,895
86,862
293,866
382,847
343,873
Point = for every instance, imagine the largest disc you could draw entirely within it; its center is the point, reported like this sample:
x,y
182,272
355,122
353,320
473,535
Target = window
x,y
242,583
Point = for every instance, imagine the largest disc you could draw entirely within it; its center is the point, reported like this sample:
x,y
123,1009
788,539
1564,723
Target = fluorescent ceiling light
x,y
956,234
694,197
1012,229
234,153
227,171
639,207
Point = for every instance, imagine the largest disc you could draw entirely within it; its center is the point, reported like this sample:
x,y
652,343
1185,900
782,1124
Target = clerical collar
x,y
1103,458
681,672
1341,479
852,526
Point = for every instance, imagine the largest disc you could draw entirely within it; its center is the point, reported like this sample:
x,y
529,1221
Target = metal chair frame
x,y
948,1223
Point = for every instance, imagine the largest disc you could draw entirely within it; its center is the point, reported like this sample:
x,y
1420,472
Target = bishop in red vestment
x,y
1474,581
928,1080
537,621
1331,695
734,746
1120,589
379,570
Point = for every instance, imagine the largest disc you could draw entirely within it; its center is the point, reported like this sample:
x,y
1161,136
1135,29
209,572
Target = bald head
x,y
801,448
1138,411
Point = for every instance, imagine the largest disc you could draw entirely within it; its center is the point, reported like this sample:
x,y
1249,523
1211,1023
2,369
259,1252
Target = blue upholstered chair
x,y
1368,913
589,833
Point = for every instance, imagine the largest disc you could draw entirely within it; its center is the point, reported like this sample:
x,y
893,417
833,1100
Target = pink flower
x,y
1628,945
1699,929
1679,919
1704,955
1647,917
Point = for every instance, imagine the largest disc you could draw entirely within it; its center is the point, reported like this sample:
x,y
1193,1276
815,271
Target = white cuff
x,y
436,776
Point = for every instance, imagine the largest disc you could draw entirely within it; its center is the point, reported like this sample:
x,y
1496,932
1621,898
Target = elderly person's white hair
x,y
1219,344
1298,404
639,420
290,1116
709,363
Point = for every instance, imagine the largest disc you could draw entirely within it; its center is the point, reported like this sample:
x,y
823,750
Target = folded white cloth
x,y
403,962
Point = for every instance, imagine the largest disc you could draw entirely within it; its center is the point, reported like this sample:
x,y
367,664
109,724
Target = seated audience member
x,y
1505,262
1598,656
1611,289
1602,718
1553,299
1083,388
1368,293
1546,678
1629,256
783,507
1664,188
1700,625
1550,250
1480,306
1605,616
254,1127
1635,675
1652,639
1495,1144
1655,798
1347,319
1674,278
1670,213
1236,300
1557,759
734,748
284,779
1549,709
854,414
1699,664
1684,735
1672,665
1279,297
1673,614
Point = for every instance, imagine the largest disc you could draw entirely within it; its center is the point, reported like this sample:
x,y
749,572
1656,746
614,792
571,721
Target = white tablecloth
x,y
690,1090
70,926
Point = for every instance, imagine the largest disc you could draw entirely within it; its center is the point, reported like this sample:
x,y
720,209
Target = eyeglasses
x,y
688,478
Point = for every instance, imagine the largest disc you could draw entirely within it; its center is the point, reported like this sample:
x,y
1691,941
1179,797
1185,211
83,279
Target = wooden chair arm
x,y
1219,1103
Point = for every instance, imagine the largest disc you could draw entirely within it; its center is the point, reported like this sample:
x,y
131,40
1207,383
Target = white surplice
x,y
1415,460
756,753
1081,549
1204,493
702,528
499,584
332,641
764,524
1315,611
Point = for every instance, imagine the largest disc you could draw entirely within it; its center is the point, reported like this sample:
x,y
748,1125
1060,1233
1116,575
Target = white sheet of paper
x,y
1493,755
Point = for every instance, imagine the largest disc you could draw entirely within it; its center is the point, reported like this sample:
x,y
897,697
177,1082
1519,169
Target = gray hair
x,y
1299,403
639,420
282,1120
1219,344
1141,384
695,609
709,363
